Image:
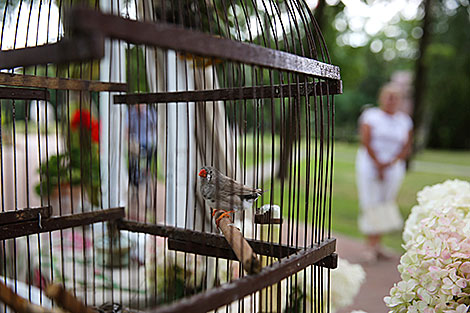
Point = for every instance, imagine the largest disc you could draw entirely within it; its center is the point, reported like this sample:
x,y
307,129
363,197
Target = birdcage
x,y
109,111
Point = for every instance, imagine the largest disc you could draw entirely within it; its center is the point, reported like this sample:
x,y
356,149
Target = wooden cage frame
x,y
89,29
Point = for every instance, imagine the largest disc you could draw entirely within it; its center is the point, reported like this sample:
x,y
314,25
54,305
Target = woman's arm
x,y
365,134
405,151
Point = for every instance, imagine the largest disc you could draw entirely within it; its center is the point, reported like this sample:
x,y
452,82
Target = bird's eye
x,y
209,176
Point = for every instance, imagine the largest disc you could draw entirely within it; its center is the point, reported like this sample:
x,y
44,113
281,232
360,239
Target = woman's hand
x,y
381,167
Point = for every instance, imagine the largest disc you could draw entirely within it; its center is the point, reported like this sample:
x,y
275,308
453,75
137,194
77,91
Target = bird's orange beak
x,y
203,173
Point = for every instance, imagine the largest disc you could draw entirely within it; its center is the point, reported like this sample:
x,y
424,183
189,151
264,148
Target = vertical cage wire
x,y
87,153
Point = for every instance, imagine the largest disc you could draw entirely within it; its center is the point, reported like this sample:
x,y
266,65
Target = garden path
x,y
380,276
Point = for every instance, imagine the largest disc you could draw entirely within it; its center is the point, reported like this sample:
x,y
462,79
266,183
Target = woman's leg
x,y
373,241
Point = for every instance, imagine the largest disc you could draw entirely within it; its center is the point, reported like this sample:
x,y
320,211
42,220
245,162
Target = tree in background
x,y
428,38
448,80
419,123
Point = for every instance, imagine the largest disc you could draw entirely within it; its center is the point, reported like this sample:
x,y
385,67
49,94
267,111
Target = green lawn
x,y
429,167
434,167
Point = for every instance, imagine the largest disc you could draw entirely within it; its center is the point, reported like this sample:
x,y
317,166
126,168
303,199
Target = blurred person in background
x,y
386,134
142,141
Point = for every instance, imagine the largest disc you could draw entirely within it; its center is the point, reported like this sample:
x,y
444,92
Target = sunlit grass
x,y
458,157
255,149
345,207
345,203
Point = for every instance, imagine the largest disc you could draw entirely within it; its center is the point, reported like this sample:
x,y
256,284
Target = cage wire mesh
x,y
109,111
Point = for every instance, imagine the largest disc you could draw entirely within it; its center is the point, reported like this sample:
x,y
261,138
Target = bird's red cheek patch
x,y
203,173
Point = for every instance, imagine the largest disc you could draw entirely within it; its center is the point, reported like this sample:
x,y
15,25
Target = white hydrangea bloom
x,y
453,194
435,268
345,282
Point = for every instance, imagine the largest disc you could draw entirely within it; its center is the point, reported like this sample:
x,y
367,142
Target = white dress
x,y
377,199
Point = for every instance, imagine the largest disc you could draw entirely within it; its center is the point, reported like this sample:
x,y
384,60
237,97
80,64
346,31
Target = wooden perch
x,y
240,246
66,300
21,305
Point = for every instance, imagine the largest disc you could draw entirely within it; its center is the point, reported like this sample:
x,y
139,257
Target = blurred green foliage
x,y
364,69
447,59
449,84
135,69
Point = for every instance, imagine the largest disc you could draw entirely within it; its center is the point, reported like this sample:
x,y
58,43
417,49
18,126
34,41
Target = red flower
x,y
87,122
82,116
95,131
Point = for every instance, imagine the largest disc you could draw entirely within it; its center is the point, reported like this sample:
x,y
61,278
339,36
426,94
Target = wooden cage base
x,y
36,225
269,275
195,241
292,259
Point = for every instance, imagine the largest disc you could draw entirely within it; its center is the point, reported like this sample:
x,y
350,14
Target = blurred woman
x,y
386,136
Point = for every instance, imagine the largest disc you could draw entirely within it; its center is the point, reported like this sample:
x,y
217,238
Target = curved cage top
x,y
110,111
282,26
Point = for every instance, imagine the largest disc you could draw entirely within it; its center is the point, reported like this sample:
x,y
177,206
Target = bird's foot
x,y
224,214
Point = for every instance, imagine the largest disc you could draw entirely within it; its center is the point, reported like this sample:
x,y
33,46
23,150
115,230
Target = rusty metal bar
x,y
180,39
201,249
23,94
208,239
330,261
67,50
266,219
60,222
247,285
58,83
242,93
23,215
